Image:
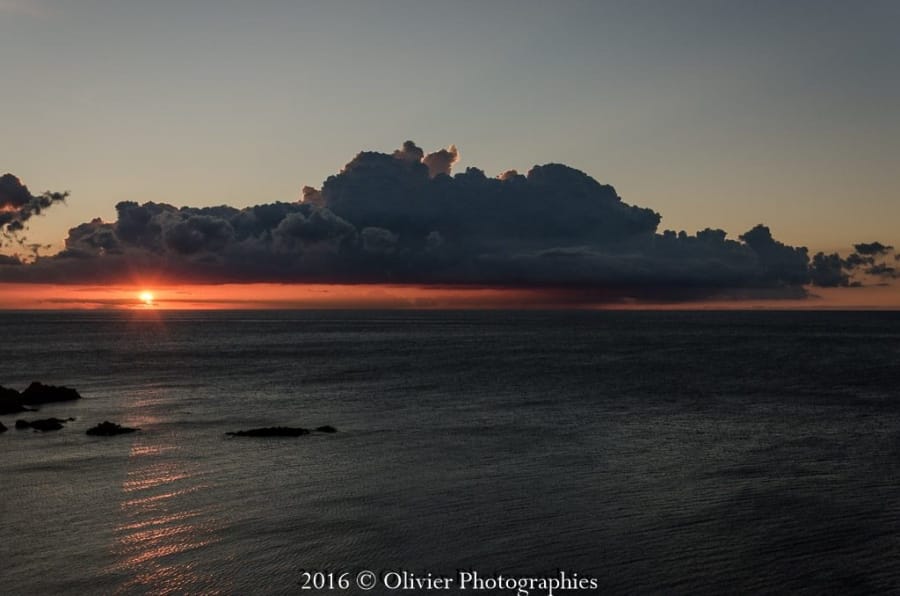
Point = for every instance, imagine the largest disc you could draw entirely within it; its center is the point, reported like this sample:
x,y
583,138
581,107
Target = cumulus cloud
x,y
311,195
403,217
378,240
829,271
18,205
409,152
441,162
785,263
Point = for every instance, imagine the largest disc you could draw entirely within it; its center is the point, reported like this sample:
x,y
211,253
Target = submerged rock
x,y
43,425
272,431
38,393
3,428
326,429
108,429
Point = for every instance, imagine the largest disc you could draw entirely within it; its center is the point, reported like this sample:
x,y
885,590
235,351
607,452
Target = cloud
x,y
872,248
441,162
882,270
785,263
856,260
409,152
378,241
402,218
18,205
869,259
829,271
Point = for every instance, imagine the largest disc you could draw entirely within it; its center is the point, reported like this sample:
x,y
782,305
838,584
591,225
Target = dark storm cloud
x,y
18,205
785,263
378,240
92,239
402,217
199,233
317,230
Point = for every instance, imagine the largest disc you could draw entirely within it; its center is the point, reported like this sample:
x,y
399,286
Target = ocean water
x,y
672,452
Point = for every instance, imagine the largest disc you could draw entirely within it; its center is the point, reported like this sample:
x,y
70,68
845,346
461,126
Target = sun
x,y
146,297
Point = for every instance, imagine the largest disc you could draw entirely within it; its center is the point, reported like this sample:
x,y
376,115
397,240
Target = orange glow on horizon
x,y
262,296
255,296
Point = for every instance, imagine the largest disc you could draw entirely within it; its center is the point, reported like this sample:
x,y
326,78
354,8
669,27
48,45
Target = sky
x,y
711,113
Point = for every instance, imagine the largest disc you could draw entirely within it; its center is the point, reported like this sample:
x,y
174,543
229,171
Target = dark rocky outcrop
x,y
281,431
47,424
13,402
10,401
272,431
8,394
12,408
3,428
38,393
109,429
43,425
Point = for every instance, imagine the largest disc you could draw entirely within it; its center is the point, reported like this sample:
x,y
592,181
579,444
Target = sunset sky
x,y
719,114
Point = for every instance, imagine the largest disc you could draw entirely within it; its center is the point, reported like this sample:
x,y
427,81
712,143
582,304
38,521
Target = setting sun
x,y
146,298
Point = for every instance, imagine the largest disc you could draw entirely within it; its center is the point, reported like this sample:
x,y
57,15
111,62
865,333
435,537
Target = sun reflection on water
x,y
163,523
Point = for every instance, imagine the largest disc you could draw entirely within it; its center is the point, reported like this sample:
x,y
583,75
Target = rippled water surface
x,y
676,452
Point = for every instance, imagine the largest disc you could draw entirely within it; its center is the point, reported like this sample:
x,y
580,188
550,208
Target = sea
x,y
646,452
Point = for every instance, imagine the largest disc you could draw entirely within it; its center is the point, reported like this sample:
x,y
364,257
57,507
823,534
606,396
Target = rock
x,y
108,429
272,431
47,424
13,402
38,393
12,408
3,428
10,401
43,425
326,429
